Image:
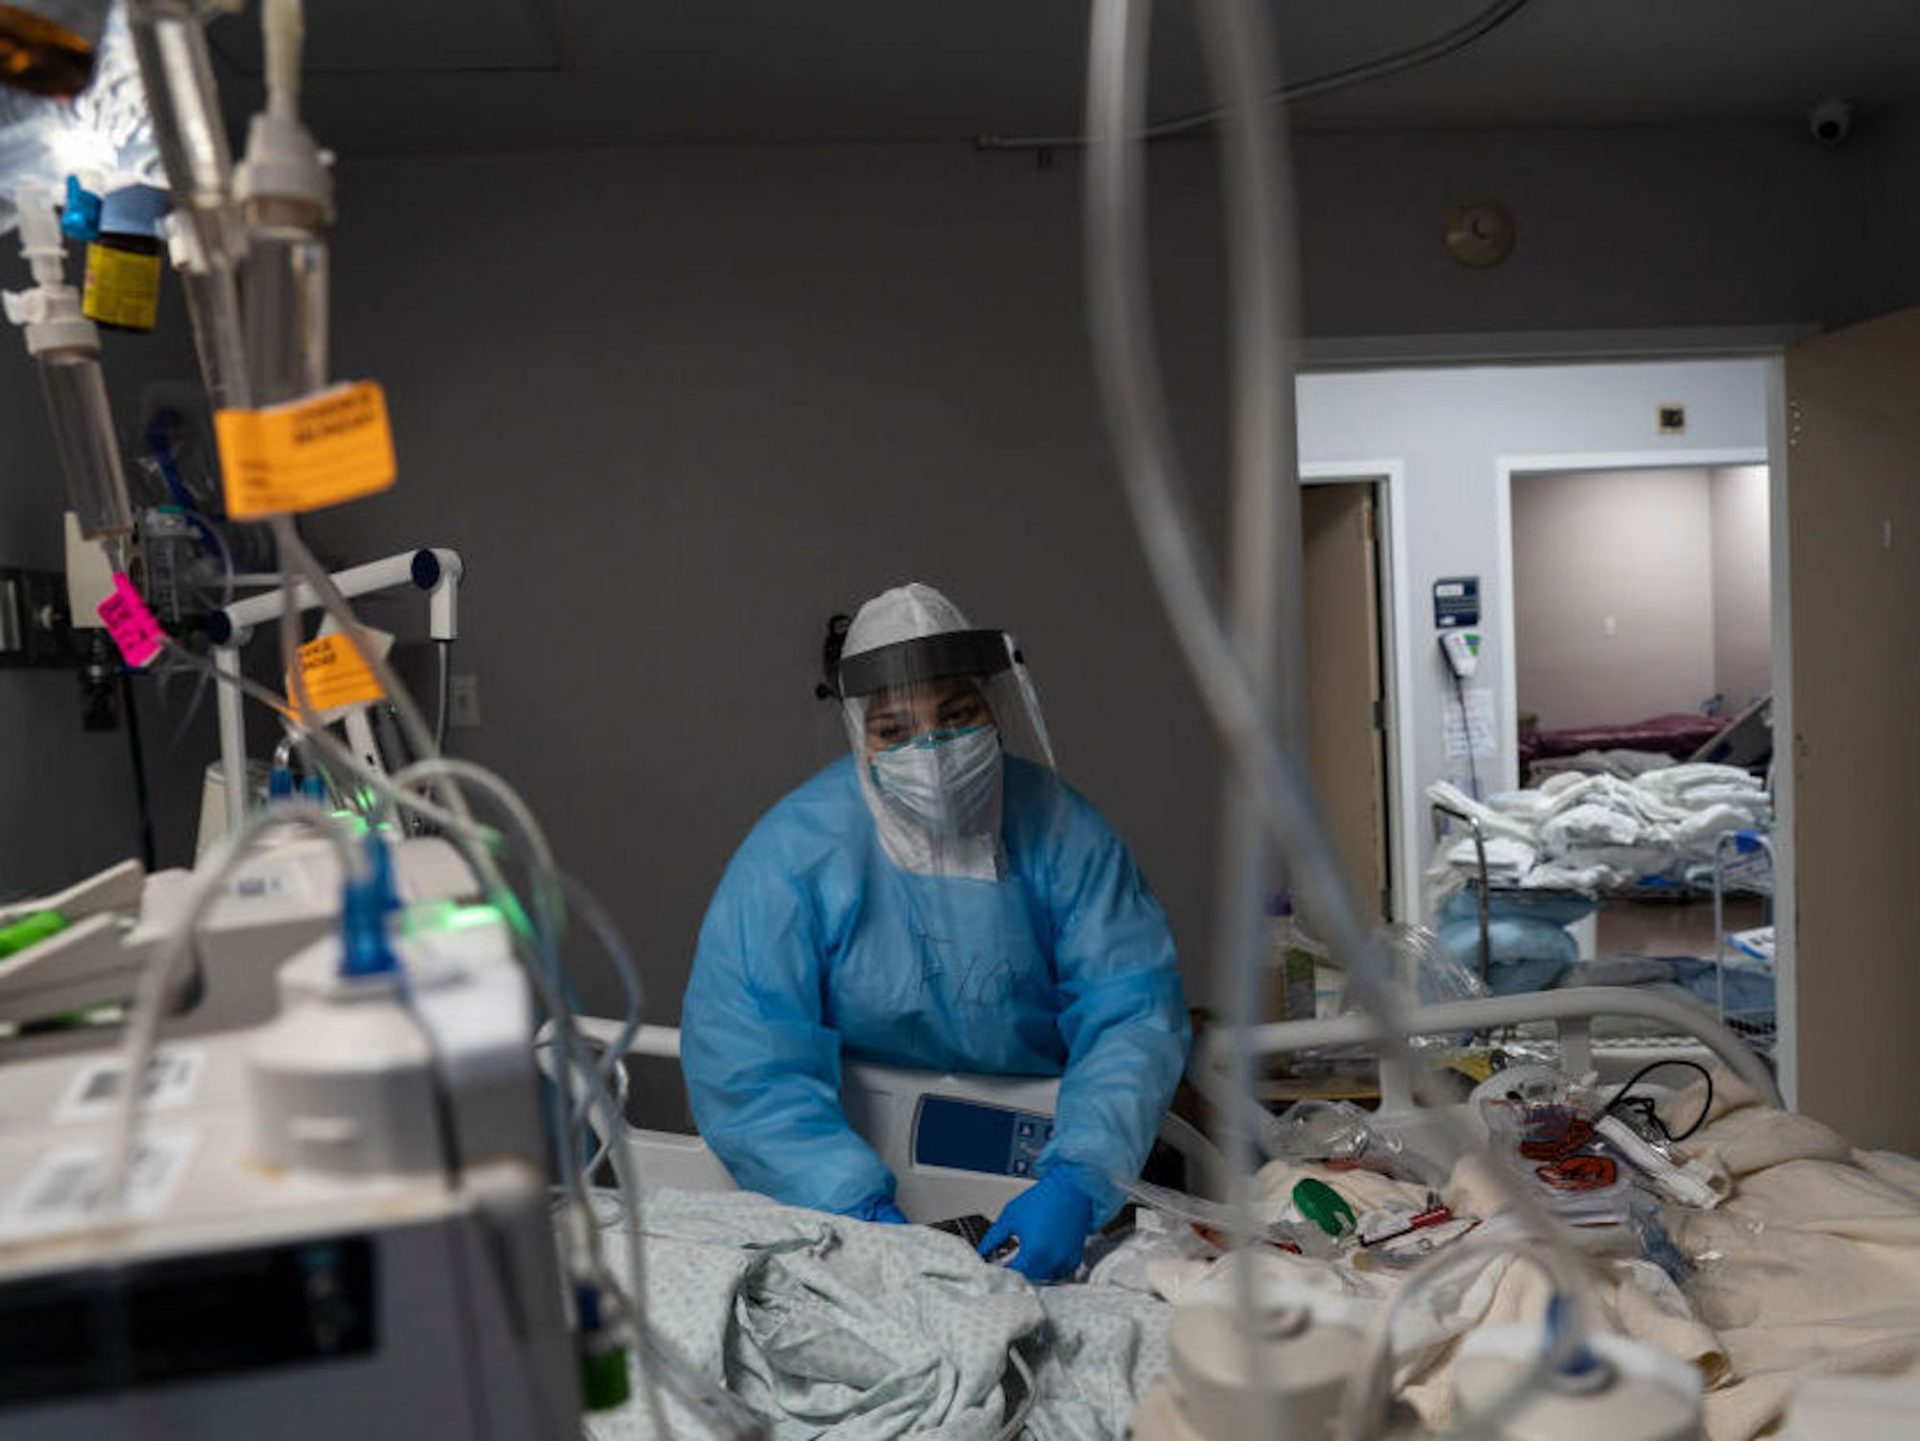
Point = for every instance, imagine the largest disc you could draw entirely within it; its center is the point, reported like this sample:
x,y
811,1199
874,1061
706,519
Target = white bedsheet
x,y
872,1332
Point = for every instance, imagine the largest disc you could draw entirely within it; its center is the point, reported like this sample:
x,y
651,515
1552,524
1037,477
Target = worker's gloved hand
x,y
882,1209
1050,1220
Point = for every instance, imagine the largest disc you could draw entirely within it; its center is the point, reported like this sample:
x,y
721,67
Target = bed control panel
x,y
967,1135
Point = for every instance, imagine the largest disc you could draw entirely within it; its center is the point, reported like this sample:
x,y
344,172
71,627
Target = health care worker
x,y
934,900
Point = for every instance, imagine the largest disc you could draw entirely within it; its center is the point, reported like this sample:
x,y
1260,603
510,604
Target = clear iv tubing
x,y
1231,1219
1134,402
1118,54
622,1090
213,312
1364,1407
399,792
1264,599
149,1002
612,1068
294,558
542,965
661,1360
548,921
191,136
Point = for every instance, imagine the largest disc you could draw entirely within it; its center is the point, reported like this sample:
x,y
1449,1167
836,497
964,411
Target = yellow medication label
x,y
337,676
122,287
1476,1066
308,454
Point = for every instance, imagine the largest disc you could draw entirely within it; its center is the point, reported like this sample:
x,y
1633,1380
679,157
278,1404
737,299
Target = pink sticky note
x,y
131,624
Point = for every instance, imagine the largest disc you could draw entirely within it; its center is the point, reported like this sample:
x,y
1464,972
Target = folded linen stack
x,y
1596,832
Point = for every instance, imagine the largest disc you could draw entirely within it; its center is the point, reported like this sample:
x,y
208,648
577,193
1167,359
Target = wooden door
x,y
1345,692
1853,517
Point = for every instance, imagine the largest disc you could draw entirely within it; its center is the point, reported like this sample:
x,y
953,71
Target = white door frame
x,y
1388,478
1786,916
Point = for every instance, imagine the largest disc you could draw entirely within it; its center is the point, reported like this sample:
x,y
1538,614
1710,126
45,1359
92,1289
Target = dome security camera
x,y
1830,122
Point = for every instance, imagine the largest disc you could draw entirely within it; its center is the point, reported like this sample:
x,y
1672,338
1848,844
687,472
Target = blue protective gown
x,y
816,945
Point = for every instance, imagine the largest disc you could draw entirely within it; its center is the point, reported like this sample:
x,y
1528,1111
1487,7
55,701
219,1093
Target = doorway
x,y
1458,433
1353,694
1642,626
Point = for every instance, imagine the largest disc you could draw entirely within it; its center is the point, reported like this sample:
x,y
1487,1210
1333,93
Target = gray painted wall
x,y
1742,585
673,429
1892,149
675,405
1613,585
1616,228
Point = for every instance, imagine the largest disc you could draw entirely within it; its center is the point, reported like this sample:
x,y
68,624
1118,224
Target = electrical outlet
x,y
1609,627
463,702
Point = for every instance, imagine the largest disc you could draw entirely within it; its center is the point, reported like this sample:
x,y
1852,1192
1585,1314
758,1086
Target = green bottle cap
x,y
604,1383
1324,1206
30,931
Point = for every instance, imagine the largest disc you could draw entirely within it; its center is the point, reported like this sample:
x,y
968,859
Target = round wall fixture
x,y
1480,232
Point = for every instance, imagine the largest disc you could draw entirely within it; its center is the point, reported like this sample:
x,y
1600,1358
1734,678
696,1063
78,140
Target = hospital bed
x,y
963,1145
957,1145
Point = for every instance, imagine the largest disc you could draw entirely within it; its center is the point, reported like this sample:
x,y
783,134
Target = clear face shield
x,y
941,726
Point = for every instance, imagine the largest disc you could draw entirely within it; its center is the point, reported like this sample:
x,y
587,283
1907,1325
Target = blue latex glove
x,y
882,1209
1050,1220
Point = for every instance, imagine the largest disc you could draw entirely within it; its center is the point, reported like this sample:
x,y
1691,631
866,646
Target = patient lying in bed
x,y
1811,1266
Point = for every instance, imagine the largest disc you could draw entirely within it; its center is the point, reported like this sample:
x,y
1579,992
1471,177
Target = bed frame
x,y
964,1145
1571,1013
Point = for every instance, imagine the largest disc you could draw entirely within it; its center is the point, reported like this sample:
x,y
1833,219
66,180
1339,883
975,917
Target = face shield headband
x,y
976,654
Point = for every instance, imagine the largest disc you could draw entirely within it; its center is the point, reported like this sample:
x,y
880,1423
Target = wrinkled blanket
x,y
819,1323
1635,1297
1811,1268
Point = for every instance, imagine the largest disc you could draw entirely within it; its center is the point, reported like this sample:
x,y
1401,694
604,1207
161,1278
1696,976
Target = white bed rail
x,y
1571,1012
884,1104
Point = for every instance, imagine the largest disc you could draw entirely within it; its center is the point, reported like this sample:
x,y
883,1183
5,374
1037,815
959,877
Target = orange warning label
x,y
337,676
331,447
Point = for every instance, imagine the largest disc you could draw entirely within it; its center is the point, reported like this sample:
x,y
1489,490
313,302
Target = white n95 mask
x,y
947,779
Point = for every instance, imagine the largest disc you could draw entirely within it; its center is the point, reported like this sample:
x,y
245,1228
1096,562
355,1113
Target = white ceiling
x,y
449,75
